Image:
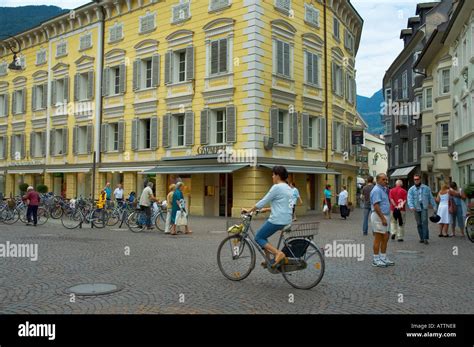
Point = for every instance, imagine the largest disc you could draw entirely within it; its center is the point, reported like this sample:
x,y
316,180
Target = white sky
x,y
380,43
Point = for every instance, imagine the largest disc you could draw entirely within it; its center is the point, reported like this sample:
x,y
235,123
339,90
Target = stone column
x,y
197,195
71,185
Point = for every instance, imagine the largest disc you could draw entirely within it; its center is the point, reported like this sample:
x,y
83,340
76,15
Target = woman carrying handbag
x,y
178,212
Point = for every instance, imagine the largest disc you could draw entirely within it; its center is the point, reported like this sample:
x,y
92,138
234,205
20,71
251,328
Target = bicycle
x,y
469,225
137,220
83,212
298,245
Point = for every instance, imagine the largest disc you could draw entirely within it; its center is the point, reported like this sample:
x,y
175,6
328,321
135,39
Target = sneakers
x,y
426,242
378,263
393,236
387,261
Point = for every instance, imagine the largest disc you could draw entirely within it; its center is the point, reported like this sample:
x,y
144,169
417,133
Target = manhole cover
x,y
93,289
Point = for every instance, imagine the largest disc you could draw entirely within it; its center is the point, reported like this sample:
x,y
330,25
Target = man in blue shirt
x,y
419,199
380,216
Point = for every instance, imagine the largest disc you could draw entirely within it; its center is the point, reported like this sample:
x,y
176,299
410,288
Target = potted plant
x,y
469,191
23,187
41,188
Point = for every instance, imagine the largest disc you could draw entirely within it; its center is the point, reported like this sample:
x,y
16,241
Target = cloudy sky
x,y
380,44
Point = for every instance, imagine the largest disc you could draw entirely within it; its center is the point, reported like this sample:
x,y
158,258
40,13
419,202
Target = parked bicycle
x,y
83,212
305,269
469,225
137,220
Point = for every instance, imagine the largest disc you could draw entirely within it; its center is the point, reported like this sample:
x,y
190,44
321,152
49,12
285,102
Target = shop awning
x,y
69,170
125,169
305,169
402,173
26,171
195,169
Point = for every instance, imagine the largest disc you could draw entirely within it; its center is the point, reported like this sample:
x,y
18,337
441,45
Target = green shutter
x,y
274,124
123,78
304,130
166,130
106,82
231,124
169,67
154,133
214,57
136,74
204,126
90,134
53,93
121,136
104,137
189,128
134,134
90,85
155,70
190,63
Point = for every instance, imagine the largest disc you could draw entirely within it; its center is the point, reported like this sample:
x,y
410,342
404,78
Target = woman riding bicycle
x,y
280,197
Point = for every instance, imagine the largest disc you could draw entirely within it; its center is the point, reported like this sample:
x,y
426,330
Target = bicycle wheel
x,y
235,258
99,218
113,218
10,216
22,213
470,228
56,212
71,219
136,221
42,216
306,271
160,221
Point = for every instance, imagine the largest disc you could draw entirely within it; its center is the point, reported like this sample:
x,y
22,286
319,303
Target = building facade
x,y
377,156
133,91
403,93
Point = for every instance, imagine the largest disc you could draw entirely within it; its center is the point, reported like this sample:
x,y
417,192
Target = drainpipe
x,y
326,98
98,97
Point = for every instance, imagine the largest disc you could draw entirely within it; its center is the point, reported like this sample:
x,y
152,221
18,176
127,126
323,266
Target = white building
x,y
378,159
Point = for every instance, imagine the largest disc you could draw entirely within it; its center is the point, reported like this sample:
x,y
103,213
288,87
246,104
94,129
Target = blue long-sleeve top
x,y
280,198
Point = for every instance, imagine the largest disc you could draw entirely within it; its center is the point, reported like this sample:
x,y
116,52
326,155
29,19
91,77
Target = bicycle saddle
x,y
286,228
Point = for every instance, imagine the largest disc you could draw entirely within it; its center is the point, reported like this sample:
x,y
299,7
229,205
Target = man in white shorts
x,y
380,218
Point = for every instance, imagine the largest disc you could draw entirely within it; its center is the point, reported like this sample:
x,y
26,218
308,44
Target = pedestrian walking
x,y
296,198
178,205
379,218
327,201
419,200
169,204
108,191
459,211
398,200
279,197
146,200
118,194
366,203
132,197
342,202
32,199
444,204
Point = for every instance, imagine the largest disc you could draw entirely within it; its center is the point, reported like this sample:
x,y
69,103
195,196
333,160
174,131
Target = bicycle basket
x,y
234,226
11,203
296,248
302,230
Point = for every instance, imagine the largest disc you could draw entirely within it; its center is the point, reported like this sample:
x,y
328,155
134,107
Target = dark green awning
x,y
195,169
305,169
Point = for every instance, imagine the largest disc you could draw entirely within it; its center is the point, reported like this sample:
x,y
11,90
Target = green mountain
x,y
14,20
369,109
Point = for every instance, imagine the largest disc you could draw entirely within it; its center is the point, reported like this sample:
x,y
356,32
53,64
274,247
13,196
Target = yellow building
x,y
211,92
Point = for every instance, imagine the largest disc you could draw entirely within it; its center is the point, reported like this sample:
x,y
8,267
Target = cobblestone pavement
x,y
160,269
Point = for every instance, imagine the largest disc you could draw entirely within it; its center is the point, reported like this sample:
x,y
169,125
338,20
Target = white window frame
x,y
388,94
176,65
178,122
144,139
283,127
19,101
388,127
148,16
227,69
82,140
3,98
405,85
83,84
339,90
112,137
61,49
3,68
38,145
59,91
283,5
58,141
441,137
41,57
183,6
39,97
290,57
85,41
213,126
316,70
424,146
430,98
114,32
444,88
216,5
336,28
311,15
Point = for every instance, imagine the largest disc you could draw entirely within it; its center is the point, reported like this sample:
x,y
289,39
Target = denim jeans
x,y
365,226
422,224
147,210
458,218
265,231
32,214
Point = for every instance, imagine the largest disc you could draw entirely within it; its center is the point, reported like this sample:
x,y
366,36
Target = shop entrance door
x,y
311,190
225,195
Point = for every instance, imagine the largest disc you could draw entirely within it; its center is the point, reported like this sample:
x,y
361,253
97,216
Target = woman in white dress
x,y
443,210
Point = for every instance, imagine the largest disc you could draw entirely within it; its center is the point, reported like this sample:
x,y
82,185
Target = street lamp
x,y
15,64
379,155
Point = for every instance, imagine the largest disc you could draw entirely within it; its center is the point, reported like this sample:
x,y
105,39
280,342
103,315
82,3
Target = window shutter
x,y
309,67
5,147
89,138
75,139
279,53
304,130
134,134
32,144
123,78
334,79
43,143
223,55
189,126
190,63
65,141
169,67
136,74
90,85
155,70
33,98
106,82
316,70
154,133
231,123
286,60
66,89
13,103
334,135
104,137
121,136
204,126
322,132
214,57
5,111
76,87
53,93
294,128
166,130
12,147
52,141
23,94
274,124
45,96
23,143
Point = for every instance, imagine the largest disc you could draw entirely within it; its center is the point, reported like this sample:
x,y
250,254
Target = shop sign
x,y
206,150
26,163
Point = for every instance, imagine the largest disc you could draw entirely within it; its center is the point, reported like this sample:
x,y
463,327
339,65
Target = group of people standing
x,y
387,210
342,201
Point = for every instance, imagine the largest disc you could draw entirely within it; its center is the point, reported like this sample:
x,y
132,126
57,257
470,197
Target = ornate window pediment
x,y
283,28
